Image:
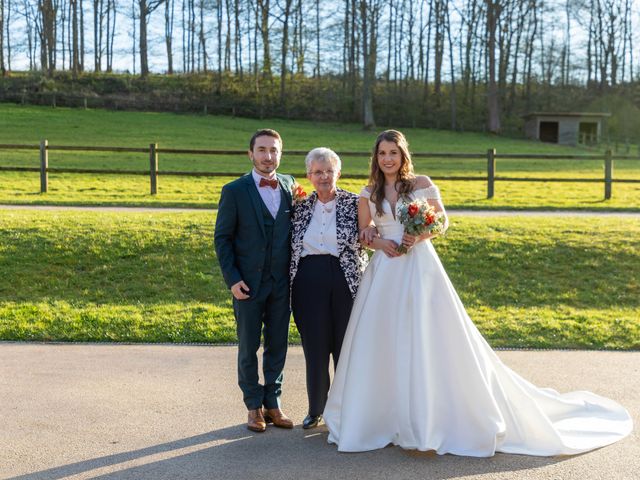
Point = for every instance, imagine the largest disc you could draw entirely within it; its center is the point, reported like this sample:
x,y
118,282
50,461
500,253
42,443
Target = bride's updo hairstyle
x,y
406,178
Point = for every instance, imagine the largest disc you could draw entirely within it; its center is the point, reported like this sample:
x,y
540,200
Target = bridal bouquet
x,y
418,217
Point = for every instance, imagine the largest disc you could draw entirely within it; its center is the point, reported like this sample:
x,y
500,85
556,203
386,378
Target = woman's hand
x,y
389,247
409,241
368,234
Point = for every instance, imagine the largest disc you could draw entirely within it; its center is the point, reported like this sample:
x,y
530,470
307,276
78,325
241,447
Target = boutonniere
x,y
297,193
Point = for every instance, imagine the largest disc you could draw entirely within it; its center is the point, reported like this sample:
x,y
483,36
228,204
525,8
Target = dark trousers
x,y
266,313
321,304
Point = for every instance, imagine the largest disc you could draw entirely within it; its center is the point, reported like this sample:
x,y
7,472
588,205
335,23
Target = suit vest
x,y
277,240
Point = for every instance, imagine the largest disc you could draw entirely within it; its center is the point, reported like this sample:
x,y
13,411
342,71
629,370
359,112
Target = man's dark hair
x,y
264,132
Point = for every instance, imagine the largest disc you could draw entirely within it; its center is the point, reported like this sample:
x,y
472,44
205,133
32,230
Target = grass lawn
x,y
84,276
29,124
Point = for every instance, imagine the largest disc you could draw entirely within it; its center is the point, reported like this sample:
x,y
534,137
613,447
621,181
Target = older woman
x,y
326,263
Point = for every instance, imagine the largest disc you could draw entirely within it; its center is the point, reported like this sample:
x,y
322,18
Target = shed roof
x,y
567,114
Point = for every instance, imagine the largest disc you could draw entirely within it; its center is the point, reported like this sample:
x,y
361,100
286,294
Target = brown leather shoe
x,y
255,421
277,417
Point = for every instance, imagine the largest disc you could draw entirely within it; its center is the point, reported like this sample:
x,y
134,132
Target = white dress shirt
x,y
270,196
321,236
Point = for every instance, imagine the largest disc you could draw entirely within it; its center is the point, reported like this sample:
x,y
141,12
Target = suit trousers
x,y
266,313
322,304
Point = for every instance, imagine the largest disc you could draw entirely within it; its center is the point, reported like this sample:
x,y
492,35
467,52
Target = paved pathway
x,y
452,211
174,412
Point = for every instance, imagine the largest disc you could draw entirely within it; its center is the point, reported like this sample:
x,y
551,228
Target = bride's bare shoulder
x,y
366,191
422,181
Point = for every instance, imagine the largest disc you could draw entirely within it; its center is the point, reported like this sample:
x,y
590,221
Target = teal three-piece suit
x,y
253,246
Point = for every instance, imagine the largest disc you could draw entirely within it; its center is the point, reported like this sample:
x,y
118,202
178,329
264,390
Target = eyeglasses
x,y
322,173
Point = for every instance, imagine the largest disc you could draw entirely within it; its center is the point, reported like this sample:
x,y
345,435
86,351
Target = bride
x,y
415,372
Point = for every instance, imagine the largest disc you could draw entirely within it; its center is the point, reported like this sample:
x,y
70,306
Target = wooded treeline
x,y
446,63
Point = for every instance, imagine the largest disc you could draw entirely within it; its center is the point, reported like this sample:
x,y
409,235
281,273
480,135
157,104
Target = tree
x,y
75,50
9,6
453,95
369,19
285,48
439,39
202,39
3,70
47,36
98,19
263,9
493,14
169,7
145,9
111,32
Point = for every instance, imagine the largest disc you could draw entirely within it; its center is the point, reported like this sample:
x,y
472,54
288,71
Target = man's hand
x,y
240,290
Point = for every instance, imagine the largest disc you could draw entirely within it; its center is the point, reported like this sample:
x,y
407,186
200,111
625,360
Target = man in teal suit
x,y
252,242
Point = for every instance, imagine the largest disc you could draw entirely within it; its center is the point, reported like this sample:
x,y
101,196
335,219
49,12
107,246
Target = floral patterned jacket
x,y
353,259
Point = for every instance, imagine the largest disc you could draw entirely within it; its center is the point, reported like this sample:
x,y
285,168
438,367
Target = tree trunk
x,y
7,23
453,98
97,35
285,47
3,70
146,8
237,39
411,74
108,37
81,36
75,51
471,20
390,45
438,50
317,72
202,39
47,36
169,7
134,53
142,47
227,41
111,35
63,21
369,15
529,58
493,13
263,6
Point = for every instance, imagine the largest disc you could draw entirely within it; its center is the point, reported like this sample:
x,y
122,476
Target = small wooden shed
x,y
565,128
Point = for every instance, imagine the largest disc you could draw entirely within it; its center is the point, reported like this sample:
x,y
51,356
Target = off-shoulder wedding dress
x,y
414,371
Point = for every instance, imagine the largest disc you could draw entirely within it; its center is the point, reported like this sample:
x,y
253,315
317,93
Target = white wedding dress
x,y
414,371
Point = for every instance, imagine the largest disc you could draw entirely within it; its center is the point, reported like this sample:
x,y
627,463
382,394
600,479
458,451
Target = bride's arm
x,y
422,181
377,243
439,208
409,240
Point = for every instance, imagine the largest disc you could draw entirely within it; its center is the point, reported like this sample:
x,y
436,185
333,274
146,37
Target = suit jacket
x,y
353,259
240,235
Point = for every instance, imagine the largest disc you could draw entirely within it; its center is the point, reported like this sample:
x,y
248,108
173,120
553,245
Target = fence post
x,y
608,174
491,171
44,166
153,167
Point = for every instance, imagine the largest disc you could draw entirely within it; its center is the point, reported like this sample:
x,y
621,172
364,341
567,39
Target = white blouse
x,y
321,236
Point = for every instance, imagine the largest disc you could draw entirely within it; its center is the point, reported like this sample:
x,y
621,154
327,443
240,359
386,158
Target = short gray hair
x,y
323,154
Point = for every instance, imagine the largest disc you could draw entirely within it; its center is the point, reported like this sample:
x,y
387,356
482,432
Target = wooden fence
x,y
154,151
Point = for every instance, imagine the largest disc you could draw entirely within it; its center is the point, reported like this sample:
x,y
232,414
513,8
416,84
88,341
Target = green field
x,y
85,276
27,125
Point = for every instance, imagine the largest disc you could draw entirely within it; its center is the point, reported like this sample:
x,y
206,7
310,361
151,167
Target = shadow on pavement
x,y
235,453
